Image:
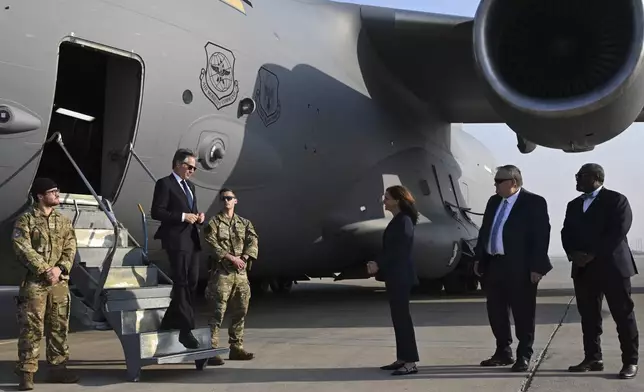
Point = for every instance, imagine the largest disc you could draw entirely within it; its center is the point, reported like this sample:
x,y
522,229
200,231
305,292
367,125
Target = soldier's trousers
x,y
228,290
43,310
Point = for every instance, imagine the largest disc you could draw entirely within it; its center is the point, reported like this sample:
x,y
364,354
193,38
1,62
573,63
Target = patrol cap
x,y
42,185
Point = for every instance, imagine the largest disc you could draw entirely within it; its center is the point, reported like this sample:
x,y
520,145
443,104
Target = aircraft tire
x,y
281,286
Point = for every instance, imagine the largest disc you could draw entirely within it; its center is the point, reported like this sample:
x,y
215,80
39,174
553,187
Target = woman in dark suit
x,y
394,266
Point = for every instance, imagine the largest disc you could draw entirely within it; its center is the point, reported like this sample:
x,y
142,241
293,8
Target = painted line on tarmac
x,y
12,341
542,355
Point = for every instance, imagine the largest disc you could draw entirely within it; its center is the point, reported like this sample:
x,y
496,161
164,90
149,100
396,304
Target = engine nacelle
x,y
563,74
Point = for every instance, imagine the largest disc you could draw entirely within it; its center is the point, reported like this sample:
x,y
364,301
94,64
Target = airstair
x,y
115,286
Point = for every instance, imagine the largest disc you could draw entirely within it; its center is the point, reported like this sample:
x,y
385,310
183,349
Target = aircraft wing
x,y
432,55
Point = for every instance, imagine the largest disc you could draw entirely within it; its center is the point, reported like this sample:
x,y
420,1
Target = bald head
x,y
589,177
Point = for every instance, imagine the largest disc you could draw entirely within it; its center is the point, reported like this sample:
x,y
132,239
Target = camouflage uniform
x,y
40,243
227,286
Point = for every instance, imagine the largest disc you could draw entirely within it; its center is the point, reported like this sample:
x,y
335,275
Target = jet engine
x,y
564,74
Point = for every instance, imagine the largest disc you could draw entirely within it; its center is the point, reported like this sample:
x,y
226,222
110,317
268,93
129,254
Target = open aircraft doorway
x,y
96,110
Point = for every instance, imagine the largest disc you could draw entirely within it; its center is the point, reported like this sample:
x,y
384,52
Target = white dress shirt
x,y
499,239
180,181
590,197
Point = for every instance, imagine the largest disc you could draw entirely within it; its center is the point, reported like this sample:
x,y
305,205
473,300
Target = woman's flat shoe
x,y
404,370
393,366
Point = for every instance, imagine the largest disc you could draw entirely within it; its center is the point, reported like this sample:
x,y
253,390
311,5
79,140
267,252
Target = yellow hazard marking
x,y
236,4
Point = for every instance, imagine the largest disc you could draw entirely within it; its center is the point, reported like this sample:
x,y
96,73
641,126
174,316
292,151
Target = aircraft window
x,y
187,97
424,187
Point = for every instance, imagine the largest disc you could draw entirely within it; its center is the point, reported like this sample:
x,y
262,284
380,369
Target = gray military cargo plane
x,y
308,109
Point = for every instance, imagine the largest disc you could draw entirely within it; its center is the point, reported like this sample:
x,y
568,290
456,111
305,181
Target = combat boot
x,y
217,360
239,354
26,380
61,375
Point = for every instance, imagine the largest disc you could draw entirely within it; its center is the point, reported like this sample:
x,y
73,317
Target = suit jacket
x,y
600,231
168,203
526,234
395,266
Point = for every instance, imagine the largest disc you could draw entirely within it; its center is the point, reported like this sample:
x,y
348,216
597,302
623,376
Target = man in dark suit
x,y
512,257
594,238
175,205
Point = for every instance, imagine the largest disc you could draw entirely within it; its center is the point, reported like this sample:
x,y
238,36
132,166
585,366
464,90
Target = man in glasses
x,y
174,204
234,245
512,257
45,244
594,238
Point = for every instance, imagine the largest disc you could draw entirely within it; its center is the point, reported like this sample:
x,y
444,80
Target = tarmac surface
x,y
333,336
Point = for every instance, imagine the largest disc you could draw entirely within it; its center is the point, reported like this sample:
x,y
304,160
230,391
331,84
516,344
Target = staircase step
x,y
122,277
87,217
81,200
125,256
191,355
138,298
99,238
161,343
140,321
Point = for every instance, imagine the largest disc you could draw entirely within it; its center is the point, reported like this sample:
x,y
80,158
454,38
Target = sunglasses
x,y
190,167
227,198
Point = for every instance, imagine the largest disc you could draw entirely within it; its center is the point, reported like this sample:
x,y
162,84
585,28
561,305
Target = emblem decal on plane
x,y
218,77
267,96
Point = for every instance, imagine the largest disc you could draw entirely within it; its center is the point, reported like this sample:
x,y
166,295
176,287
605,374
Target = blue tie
x,y
187,192
496,228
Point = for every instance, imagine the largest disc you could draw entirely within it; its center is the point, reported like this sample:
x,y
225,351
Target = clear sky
x,y
551,172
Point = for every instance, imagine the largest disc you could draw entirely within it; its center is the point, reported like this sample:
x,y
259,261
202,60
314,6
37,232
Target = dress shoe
x,y
393,366
188,340
588,365
498,361
521,365
628,371
407,368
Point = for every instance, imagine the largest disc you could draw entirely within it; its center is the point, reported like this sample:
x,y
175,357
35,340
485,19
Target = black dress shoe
x,y
521,365
393,366
588,365
404,370
628,371
188,340
498,361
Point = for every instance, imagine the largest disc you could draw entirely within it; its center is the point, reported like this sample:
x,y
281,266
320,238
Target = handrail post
x,y
107,262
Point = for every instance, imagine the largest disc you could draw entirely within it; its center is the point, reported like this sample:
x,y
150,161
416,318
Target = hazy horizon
x,y
549,172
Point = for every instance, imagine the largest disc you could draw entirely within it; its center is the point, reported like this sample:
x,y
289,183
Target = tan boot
x,y
239,354
217,360
61,375
26,380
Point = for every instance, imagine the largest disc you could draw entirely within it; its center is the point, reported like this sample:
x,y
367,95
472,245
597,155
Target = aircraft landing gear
x,y
281,286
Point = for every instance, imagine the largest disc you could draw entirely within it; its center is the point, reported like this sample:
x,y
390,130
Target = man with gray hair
x,y
511,258
594,238
175,204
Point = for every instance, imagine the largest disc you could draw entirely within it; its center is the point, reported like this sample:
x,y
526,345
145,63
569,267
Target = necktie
x,y
187,192
496,228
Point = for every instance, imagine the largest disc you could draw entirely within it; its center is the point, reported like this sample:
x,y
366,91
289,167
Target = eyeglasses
x,y
190,167
227,198
53,192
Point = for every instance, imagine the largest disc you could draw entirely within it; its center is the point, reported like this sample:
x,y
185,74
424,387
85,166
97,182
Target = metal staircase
x,y
115,286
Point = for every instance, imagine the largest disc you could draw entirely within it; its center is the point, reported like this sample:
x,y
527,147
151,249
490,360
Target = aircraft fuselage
x,y
309,165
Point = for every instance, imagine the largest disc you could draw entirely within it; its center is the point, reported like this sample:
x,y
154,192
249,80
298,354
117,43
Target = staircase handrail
x,y
107,262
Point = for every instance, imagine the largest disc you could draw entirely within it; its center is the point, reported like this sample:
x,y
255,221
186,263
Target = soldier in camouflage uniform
x,y
234,246
45,244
